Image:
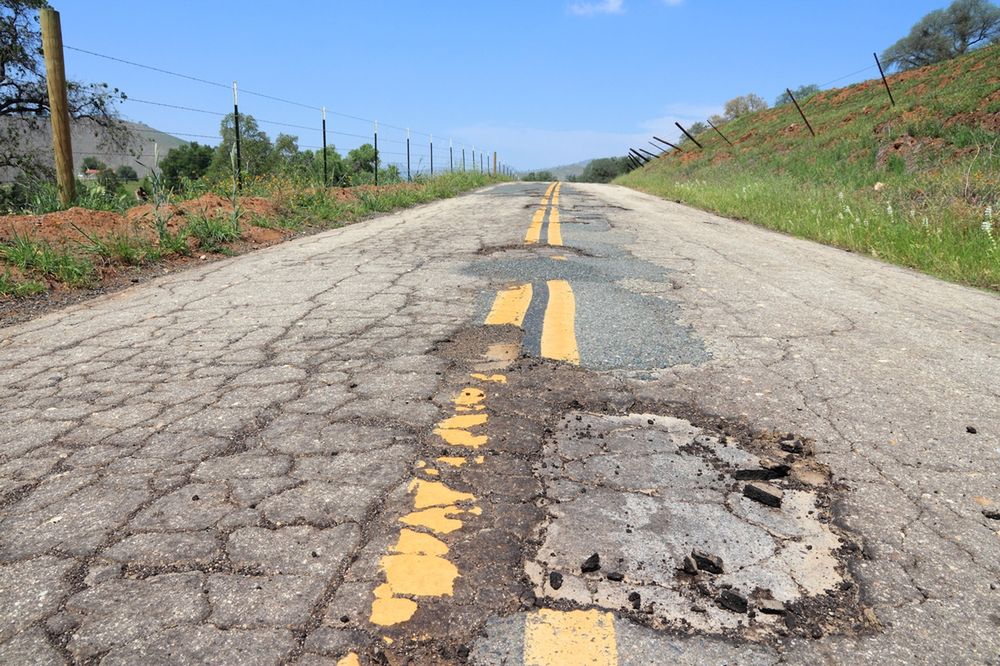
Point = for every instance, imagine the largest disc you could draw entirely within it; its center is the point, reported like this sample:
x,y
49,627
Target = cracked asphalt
x,y
324,452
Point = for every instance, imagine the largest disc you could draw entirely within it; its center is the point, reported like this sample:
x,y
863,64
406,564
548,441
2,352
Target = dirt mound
x,y
908,148
62,225
208,205
75,224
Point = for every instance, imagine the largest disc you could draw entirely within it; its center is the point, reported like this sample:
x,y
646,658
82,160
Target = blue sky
x,y
543,82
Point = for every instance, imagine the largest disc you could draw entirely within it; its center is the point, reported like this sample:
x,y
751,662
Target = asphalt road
x,y
537,424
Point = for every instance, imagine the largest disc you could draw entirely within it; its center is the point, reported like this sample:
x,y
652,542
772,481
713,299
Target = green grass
x,y
936,155
213,234
41,258
13,287
121,247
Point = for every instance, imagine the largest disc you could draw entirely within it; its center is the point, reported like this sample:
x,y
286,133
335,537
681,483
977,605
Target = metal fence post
x,y
236,126
884,82
324,146
432,155
376,153
408,179
795,102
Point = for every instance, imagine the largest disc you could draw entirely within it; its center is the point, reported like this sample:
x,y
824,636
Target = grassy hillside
x,y
917,184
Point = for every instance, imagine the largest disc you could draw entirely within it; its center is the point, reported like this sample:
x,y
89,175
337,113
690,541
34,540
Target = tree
x,y
256,152
126,173
800,94
604,170
286,148
108,180
539,175
188,161
24,99
742,105
946,33
694,129
91,163
361,159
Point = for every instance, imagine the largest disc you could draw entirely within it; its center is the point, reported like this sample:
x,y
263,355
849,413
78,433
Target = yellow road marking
x,y
558,638
388,611
435,493
555,231
510,305
458,437
419,575
469,397
463,421
454,461
437,519
349,659
548,193
555,194
418,543
500,379
559,326
535,230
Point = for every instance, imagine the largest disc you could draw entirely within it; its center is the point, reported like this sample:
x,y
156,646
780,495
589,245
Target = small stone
x,y
462,652
555,580
733,600
770,607
592,563
992,514
689,565
345,619
764,493
635,599
616,576
696,608
707,562
793,446
817,632
971,430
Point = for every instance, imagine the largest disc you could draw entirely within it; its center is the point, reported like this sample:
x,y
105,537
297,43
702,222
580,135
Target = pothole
x,y
686,530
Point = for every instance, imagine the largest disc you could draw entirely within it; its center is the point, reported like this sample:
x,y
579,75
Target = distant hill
x,y
86,142
566,170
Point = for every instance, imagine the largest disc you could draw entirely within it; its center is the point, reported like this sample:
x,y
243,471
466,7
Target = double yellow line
x,y
555,231
511,304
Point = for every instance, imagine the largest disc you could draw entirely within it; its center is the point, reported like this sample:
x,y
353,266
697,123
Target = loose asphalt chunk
x,y
770,607
555,580
764,493
733,600
768,470
592,563
707,562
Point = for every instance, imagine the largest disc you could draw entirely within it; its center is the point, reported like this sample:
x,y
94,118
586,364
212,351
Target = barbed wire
x,y
244,91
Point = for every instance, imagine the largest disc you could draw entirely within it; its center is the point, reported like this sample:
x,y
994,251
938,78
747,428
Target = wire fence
x,y
637,157
413,152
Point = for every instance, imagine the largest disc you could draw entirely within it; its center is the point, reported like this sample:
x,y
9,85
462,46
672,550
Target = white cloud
x,y
602,7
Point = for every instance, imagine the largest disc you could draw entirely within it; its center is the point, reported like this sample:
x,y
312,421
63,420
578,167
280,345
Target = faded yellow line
x,y
555,231
561,638
510,306
555,194
548,193
535,229
559,325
